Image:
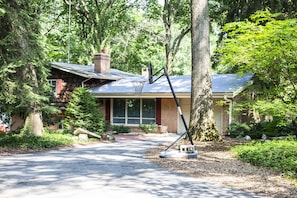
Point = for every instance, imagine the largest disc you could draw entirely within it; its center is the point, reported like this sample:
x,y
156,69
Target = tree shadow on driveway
x,y
100,170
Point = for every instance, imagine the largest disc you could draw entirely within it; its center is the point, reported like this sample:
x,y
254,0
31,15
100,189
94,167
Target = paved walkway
x,y
102,170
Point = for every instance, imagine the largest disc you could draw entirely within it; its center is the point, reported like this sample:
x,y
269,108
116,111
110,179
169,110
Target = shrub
x,y
237,129
148,128
25,140
256,130
117,128
271,129
279,155
82,112
120,128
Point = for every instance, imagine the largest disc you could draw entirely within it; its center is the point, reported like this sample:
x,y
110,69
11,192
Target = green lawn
x,y
26,141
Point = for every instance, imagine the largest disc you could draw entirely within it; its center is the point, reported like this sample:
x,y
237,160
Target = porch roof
x,y
222,84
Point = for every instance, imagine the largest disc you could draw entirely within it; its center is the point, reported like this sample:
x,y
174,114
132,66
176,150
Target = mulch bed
x,y
216,164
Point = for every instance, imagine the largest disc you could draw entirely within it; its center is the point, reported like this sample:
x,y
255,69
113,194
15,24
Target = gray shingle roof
x,y
87,71
230,84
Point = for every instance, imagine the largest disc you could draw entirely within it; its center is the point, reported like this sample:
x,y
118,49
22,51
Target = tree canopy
x,y
226,11
133,33
266,45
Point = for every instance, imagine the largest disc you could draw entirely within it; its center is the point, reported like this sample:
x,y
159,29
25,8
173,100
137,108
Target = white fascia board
x,y
222,95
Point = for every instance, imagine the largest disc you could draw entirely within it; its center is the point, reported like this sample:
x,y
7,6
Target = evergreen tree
x,y
23,73
83,112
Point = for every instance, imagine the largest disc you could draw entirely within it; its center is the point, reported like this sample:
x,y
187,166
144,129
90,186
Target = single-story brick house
x,y
116,94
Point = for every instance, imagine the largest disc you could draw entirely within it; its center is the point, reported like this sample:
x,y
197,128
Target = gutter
x,y
230,108
82,83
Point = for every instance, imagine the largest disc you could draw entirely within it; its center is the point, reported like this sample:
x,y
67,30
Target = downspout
x,y
82,83
230,108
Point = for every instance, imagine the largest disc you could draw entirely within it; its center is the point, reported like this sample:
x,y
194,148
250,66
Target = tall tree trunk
x,y
34,123
33,120
168,16
202,125
171,10
169,60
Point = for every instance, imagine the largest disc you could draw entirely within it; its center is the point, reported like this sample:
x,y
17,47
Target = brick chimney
x,y
102,63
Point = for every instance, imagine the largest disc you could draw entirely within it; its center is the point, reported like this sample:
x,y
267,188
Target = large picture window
x,y
134,111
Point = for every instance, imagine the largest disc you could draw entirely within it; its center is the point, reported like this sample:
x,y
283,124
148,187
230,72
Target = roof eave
x,y
242,88
84,75
159,95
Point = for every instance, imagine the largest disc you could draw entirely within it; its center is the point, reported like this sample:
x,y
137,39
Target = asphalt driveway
x,y
102,170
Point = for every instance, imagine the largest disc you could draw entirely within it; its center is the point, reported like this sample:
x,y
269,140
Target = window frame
x,y
54,85
126,118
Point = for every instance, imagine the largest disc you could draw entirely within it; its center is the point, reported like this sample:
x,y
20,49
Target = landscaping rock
x,y
83,137
248,138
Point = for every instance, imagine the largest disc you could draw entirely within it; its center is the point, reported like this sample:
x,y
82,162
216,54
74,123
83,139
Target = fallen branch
x,y
85,131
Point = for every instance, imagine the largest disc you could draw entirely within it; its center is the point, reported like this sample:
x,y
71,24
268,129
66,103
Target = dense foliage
x,y
27,141
83,112
23,71
261,129
132,33
266,45
226,11
20,46
278,155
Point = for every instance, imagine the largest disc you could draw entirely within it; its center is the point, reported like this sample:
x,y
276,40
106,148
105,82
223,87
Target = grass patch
x,y
26,141
278,155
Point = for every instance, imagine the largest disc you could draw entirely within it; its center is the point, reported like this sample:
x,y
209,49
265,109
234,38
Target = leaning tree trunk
x,y
202,125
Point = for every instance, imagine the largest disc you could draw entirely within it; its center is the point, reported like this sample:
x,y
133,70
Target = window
x,y
134,111
119,111
53,84
56,85
148,111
